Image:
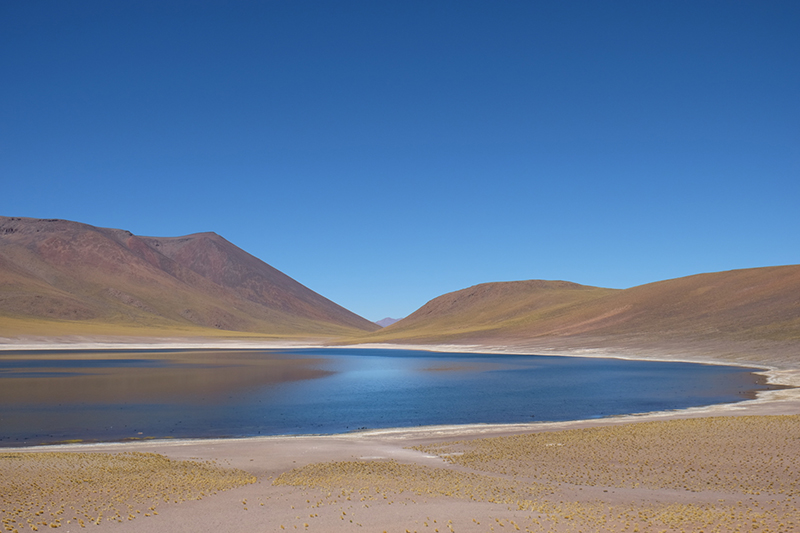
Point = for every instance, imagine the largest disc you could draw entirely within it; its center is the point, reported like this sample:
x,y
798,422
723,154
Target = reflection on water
x,y
55,396
188,377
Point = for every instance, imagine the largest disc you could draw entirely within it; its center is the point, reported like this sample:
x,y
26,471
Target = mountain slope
x,y
489,309
111,280
740,305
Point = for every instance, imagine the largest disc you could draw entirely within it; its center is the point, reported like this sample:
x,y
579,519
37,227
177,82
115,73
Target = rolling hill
x,y
738,306
62,277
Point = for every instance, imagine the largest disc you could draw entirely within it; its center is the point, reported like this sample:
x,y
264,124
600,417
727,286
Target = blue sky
x,y
384,153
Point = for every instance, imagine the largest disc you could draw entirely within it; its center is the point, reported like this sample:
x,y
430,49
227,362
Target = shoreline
x,y
783,400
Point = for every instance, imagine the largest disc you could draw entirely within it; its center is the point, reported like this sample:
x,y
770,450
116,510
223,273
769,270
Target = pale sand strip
x,y
132,343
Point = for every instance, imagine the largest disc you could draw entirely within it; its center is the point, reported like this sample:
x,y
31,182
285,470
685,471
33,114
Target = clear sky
x,y
383,153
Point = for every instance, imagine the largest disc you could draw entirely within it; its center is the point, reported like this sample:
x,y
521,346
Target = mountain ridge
x,y
68,278
60,270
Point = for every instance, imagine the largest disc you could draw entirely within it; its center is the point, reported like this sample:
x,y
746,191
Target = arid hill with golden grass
x,y
66,278
738,310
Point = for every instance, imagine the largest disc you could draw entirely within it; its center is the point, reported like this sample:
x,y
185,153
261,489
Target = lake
x,y
57,396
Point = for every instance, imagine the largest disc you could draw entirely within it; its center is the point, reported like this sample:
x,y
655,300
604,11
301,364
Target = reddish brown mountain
x,y
56,270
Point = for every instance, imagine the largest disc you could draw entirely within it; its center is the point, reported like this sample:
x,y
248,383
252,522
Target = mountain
x,y
490,310
752,305
386,321
58,276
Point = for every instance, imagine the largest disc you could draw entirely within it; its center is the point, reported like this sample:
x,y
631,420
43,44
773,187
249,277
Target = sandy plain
x,y
729,467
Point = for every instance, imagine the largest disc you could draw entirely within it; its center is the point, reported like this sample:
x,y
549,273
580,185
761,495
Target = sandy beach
x,y
729,467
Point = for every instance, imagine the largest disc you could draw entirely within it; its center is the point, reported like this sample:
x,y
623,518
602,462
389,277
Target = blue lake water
x,y
51,397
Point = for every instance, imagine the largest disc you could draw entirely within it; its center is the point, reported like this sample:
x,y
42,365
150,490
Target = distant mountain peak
x,y
387,321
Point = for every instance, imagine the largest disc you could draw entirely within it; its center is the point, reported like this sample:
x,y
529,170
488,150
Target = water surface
x,y
100,395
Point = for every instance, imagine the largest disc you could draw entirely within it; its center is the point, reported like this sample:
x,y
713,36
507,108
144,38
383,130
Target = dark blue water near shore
x,y
272,392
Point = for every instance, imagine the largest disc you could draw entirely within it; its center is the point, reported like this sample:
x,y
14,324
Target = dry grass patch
x,y
739,455
54,489
727,474
378,479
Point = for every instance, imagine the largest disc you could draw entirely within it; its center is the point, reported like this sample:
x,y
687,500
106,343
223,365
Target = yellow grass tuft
x,y
48,489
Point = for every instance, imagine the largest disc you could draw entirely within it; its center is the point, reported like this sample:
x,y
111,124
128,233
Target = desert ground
x,y
721,468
